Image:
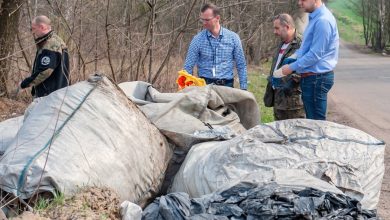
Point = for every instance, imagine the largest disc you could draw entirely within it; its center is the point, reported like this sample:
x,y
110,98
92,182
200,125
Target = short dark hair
x,y
285,19
211,6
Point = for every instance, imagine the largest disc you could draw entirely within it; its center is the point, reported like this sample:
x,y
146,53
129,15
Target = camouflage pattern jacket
x,y
288,95
51,66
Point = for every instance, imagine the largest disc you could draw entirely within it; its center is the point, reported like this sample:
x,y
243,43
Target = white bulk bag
x,y
88,134
345,157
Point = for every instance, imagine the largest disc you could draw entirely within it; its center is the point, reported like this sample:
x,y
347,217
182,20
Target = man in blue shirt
x,y
316,58
214,51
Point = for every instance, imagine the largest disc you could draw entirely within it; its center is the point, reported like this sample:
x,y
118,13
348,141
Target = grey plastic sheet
x,y
303,150
88,134
196,114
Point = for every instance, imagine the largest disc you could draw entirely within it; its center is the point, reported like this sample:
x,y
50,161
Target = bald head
x,y
40,26
42,19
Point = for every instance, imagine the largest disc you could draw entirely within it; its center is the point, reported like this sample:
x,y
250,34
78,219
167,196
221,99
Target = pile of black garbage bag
x,y
253,201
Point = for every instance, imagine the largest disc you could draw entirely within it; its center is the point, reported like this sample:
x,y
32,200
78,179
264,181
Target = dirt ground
x,y
335,116
91,203
10,108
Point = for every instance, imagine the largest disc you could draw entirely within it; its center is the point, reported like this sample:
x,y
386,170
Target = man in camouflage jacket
x,y
51,64
287,93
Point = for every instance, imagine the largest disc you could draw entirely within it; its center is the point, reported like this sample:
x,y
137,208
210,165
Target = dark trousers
x,y
220,82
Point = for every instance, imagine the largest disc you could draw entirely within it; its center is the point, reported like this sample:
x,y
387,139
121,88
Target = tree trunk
x,y
109,43
365,18
151,45
382,19
9,19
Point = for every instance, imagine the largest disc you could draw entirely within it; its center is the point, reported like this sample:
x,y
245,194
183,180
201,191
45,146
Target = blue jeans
x,y
315,94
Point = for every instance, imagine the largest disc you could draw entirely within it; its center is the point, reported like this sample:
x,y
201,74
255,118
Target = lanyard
x,y
214,52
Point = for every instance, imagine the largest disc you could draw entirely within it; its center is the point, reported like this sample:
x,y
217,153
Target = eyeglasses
x,y
206,19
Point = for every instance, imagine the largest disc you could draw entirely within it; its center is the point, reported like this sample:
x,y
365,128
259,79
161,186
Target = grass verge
x,y
257,84
349,22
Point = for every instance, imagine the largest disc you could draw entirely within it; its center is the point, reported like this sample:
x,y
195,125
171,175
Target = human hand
x,y
286,70
278,73
294,56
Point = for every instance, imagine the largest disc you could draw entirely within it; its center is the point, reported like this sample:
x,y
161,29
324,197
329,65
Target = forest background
x,y
148,39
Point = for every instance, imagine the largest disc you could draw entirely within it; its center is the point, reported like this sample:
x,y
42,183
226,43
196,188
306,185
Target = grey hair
x,y
42,19
285,19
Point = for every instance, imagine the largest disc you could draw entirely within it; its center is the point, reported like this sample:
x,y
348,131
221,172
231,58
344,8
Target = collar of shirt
x,y
209,34
317,12
295,40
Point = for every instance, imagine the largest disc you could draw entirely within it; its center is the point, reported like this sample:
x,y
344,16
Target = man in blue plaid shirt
x,y
214,51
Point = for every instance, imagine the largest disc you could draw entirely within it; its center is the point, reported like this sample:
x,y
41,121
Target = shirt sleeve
x,y
46,62
320,44
239,57
192,55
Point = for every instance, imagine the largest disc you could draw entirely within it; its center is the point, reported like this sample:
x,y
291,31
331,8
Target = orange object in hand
x,y
181,81
185,79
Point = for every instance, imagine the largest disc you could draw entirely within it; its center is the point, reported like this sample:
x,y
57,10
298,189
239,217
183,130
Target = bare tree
x,y
9,20
375,20
136,39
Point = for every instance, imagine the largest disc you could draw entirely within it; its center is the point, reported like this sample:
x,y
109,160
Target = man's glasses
x,y
206,19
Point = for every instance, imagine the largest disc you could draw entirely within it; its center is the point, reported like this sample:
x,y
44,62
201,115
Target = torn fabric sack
x,y
88,134
349,159
196,114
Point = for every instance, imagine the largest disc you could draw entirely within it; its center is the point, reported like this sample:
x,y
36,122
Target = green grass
x,y
44,203
59,198
349,22
257,84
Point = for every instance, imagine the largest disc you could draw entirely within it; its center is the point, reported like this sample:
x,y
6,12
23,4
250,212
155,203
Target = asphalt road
x,y
361,94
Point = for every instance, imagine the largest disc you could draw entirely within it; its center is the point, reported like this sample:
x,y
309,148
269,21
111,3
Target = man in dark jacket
x,y
287,93
51,64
